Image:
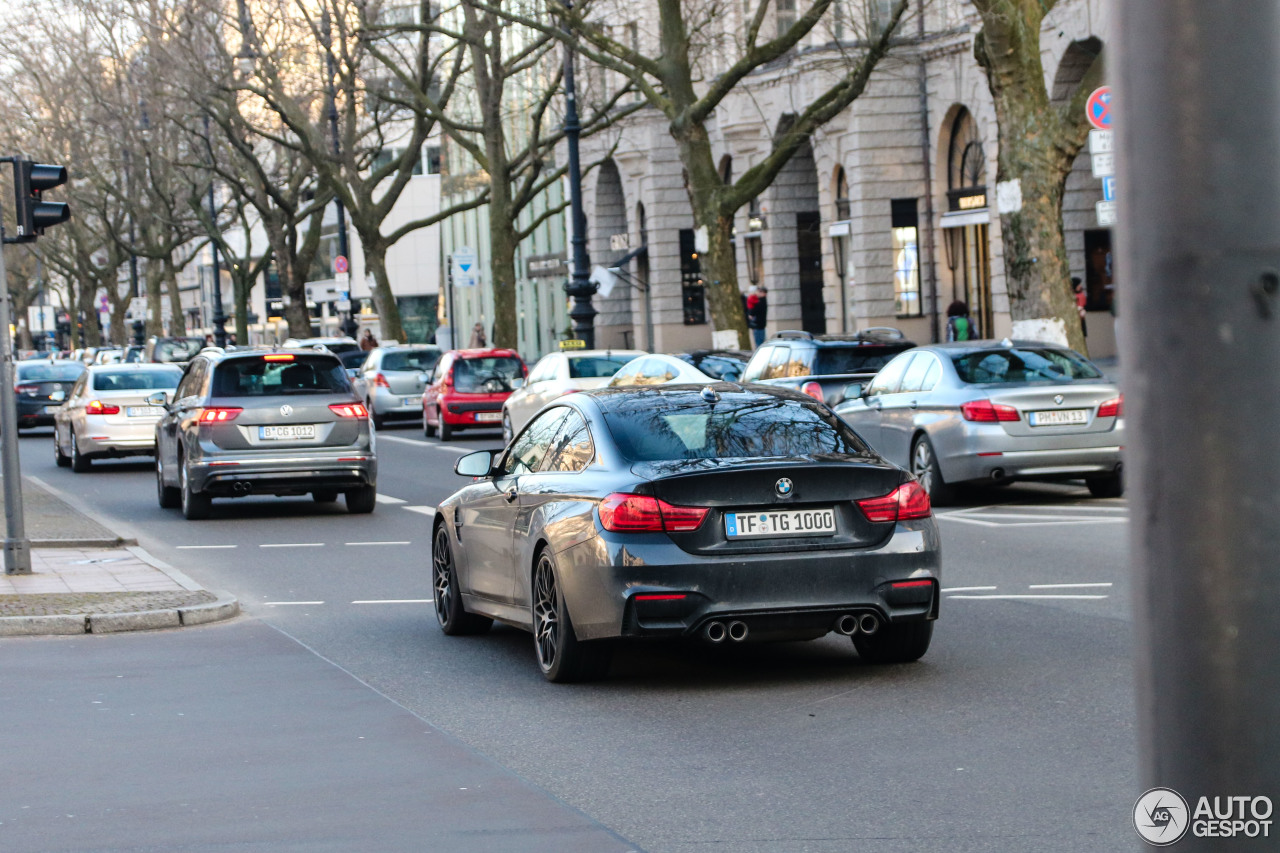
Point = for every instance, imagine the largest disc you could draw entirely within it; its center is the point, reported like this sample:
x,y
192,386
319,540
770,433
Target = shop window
x,y
693,292
906,258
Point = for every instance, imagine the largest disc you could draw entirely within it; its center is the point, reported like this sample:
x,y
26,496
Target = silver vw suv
x,y
276,422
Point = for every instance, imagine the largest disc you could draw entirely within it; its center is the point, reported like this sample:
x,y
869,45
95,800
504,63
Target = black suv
x,y
822,365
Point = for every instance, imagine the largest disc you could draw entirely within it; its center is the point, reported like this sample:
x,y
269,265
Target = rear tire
x,y
924,464
324,496
378,420
169,497
895,643
562,657
361,500
59,457
1110,486
427,428
79,462
195,505
446,430
452,617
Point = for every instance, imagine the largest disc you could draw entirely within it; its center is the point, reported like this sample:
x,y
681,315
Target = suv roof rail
x,y
793,335
874,333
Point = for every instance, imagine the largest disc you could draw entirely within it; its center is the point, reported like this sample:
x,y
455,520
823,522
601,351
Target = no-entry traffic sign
x,y
1098,108
340,264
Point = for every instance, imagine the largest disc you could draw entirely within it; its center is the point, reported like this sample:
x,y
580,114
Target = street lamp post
x,y
219,316
579,287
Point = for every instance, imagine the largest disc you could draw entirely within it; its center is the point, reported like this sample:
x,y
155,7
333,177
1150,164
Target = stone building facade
x,y
884,219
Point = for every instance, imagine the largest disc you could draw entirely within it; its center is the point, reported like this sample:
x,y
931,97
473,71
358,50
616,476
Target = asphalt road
x,y
1014,733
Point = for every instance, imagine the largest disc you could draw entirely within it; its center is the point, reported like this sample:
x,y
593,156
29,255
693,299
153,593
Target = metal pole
x,y
332,97
579,287
1200,344
219,317
17,548
451,304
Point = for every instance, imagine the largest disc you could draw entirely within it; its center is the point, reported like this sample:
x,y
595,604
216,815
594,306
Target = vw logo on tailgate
x,y
286,410
783,487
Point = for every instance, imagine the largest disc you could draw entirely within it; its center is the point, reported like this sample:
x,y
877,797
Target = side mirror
x,y
852,391
477,464
353,372
518,382
160,398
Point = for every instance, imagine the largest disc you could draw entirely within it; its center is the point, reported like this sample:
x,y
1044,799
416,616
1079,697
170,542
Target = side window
x,y
442,367
190,384
778,362
78,389
801,363
913,379
888,379
932,375
543,370
571,449
757,365
653,371
529,450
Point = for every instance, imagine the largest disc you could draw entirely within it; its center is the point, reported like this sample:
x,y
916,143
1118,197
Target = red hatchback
x,y
468,389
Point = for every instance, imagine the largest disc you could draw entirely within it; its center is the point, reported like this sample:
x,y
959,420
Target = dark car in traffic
x,y
41,387
718,512
822,366
254,422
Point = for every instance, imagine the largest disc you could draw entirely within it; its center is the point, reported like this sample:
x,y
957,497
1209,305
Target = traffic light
x,y
29,181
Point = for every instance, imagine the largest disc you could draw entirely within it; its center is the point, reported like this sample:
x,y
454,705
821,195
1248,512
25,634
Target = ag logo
x,y
1161,816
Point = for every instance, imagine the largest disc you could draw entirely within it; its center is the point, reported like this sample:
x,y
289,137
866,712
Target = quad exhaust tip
x,y
847,624
868,623
715,632
737,631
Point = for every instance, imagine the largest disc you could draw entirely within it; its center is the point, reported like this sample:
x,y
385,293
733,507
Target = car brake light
x,y
97,407
814,390
278,356
984,411
908,501
381,381
1112,408
623,513
349,410
911,584
219,414
27,389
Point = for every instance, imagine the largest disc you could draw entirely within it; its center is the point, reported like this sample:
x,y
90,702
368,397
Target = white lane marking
x,y
1064,585
425,510
396,601
417,443
1043,597
202,547
294,545
968,519
967,588
405,542
387,499
288,603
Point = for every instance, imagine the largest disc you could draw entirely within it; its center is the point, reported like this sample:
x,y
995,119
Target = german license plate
x,y
49,410
787,522
1059,417
411,401
143,411
295,431
488,416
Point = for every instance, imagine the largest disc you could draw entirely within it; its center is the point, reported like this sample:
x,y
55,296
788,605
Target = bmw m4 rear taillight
x,y
906,502
623,513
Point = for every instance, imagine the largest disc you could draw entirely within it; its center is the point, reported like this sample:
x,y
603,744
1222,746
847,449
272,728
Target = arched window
x,y
966,165
842,194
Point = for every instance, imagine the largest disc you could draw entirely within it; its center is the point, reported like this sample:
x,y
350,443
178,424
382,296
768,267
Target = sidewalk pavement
x,y
86,579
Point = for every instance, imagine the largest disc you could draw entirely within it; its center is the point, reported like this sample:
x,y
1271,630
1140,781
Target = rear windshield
x,y
490,375
421,360
176,349
354,358
1022,364
339,349
136,380
720,367
299,374
50,372
596,366
649,429
832,360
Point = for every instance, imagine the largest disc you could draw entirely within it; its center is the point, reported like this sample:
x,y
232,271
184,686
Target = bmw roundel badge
x,y
783,487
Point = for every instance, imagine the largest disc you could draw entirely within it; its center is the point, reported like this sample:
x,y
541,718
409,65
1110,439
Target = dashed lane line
x,y
387,499
968,589
1032,597
402,542
293,545
1066,585
425,510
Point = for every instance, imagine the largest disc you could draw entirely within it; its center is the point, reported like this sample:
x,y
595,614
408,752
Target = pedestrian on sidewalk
x,y
757,312
368,342
478,340
1077,288
959,323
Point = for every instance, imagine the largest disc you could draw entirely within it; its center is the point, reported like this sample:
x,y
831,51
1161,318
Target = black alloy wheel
x,y
924,464
895,643
168,497
60,458
195,505
454,620
562,657
79,462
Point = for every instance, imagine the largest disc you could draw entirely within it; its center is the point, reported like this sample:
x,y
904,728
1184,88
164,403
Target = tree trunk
x,y
155,316
89,312
242,289
502,265
375,261
178,325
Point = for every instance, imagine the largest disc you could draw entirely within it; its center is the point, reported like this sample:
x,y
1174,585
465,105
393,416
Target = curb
x,y
104,544
224,607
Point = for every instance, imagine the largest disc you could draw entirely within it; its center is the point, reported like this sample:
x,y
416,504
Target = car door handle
x,y
914,404
511,494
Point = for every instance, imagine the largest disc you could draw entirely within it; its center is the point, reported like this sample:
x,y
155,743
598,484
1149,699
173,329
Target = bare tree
x,y
1039,139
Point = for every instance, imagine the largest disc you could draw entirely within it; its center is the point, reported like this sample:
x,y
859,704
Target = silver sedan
x,y
107,414
392,378
993,411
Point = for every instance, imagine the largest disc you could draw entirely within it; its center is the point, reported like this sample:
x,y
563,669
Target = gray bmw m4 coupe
x,y
726,513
